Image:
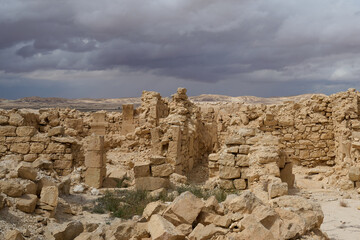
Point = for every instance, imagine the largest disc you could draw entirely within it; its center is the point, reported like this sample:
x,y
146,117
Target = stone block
x,y
55,148
25,131
157,160
232,149
226,184
95,143
142,170
26,171
151,183
213,157
240,184
49,196
30,157
244,149
354,174
22,148
159,229
56,131
235,140
242,160
94,159
27,203
14,235
4,120
226,172
94,177
163,170
62,164
16,119
128,112
37,147
11,188
277,189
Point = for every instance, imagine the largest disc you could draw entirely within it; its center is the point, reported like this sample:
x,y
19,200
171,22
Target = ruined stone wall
x,y
316,131
323,130
42,136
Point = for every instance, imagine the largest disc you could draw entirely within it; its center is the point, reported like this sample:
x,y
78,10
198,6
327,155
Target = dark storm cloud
x,y
207,41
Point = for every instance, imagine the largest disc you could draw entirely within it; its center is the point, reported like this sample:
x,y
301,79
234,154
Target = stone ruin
x,y
43,152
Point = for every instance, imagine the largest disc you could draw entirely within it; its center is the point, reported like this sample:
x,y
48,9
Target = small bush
x,y
125,203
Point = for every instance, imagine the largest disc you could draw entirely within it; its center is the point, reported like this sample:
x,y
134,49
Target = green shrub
x,y
127,203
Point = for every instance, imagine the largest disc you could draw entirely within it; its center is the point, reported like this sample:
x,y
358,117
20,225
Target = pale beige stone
x,y
141,169
354,174
13,235
227,172
26,171
37,147
186,207
151,183
22,148
277,189
49,196
163,170
94,177
160,229
56,131
55,148
27,203
240,184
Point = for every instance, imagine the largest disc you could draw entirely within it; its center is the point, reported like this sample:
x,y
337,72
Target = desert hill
x,y
90,104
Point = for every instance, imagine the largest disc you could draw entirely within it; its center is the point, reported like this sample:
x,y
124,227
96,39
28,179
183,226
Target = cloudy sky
x,y
117,48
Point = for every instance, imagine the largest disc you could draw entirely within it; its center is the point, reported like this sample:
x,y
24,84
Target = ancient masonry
x,y
242,144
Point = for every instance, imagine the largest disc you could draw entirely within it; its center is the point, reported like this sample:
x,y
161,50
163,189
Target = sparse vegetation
x,y
127,203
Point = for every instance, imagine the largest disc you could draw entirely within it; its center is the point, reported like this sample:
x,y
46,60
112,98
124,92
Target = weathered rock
x,y
163,170
226,172
49,196
151,183
277,189
26,171
27,203
11,188
13,235
153,208
185,207
141,170
160,228
25,131
121,230
56,131
245,203
202,232
65,231
354,174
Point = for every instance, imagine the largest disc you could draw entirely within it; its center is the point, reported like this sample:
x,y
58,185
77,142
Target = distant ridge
x,y
89,104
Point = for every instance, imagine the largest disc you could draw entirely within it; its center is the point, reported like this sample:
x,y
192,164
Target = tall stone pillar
x,y
128,125
95,161
98,125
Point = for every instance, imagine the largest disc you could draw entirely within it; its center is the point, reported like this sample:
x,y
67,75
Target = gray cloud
x,y
203,43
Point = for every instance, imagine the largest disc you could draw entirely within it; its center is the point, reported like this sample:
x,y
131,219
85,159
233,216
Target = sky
x,y
117,48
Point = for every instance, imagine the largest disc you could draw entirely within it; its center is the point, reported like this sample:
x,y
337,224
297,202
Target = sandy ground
x,y
341,222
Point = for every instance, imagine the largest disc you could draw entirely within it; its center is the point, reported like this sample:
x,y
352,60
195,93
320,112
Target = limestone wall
x,y
323,130
316,131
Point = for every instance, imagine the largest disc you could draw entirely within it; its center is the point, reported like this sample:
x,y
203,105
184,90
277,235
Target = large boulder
x,y
65,231
184,209
27,203
160,229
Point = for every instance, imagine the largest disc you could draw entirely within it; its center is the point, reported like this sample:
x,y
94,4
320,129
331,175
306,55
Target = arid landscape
x,y
205,167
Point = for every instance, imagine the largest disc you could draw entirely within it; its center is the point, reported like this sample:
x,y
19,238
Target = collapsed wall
x,y
321,131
